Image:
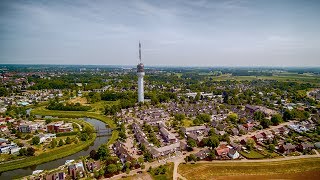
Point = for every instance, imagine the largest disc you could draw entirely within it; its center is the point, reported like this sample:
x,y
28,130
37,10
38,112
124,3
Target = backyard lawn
x,y
252,155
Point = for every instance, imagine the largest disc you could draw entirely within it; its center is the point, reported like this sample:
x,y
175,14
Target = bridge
x,y
103,132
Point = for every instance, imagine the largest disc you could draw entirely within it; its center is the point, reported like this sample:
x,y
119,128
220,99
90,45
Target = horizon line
x,y
161,65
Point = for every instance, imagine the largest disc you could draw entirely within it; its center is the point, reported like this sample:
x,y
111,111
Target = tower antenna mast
x,y
140,51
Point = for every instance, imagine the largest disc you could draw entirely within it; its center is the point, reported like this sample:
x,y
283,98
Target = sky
x,y
172,32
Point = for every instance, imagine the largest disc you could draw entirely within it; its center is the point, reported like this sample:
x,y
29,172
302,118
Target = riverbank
x,y
79,114
73,114
48,156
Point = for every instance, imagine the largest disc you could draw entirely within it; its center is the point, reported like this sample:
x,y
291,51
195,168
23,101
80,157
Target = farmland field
x,y
242,170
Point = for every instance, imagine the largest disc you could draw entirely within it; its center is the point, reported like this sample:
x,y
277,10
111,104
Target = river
x,y
58,162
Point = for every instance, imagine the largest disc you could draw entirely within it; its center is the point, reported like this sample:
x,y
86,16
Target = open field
x,y
244,169
98,107
298,176
81,100
187,122
279,77
167,176
143,176
46,157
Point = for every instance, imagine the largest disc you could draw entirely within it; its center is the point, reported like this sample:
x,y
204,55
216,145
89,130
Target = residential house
x,y
193,136
251,109
122,152
93,165
198,130
46,137
202,154
76,170
24,128
4,128
165,150
59,126
55,176
305,147
168,136
222,150
287,148
249,126
233,154
235,131
258,137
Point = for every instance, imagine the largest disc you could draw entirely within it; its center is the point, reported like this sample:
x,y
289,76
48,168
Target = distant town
x,y
157,122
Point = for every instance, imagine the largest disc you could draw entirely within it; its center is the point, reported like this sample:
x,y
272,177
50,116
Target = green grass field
x,y
252,155
211,170
98,107
187,122
167,176
293,77
73,114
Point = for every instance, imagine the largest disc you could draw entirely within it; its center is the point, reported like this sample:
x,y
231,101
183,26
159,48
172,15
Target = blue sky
x,y
173,32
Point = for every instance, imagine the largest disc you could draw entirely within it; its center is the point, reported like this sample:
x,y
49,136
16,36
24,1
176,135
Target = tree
x,y
147,156
61,143
96,173
179,117
191,142
213,142
287,115
197,97
112,168
95,98
122,135
204,118
276,119
3,91
53,143
23,152
212,155
192,157
212,132
250,144
103,152
35,140
84,136
233,117
127,165
140,160
93,154
30,151
48,121
258,115
68,140
271,147
76,140
265,123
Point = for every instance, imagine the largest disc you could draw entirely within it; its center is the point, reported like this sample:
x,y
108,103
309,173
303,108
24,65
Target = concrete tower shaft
x,y
140,73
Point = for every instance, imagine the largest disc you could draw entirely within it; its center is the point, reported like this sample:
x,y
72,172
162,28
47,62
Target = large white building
x,y
140,73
